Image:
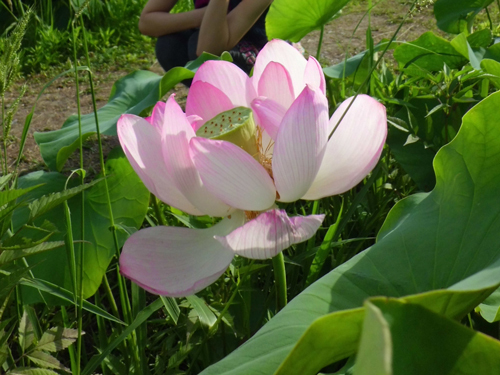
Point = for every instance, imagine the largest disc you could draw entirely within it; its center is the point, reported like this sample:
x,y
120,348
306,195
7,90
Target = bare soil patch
x,y
58,101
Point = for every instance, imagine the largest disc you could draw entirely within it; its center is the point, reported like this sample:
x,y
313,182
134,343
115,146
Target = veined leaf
x,y
67,296
57,338
292,20
31,371
45,360
26,331
8,256
48,202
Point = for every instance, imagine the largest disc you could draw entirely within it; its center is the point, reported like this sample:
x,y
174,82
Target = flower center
x,y
236,126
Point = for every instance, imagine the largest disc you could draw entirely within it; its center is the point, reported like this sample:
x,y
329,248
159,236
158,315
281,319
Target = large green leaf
x,y
133,94
454,16
316,349
429,52
129,201
444,239
412,340
292,20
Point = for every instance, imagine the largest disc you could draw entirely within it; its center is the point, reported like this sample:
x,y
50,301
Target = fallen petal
x,y
177,262
270,233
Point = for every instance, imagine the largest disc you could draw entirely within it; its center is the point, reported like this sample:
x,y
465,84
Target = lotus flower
x,y
217,160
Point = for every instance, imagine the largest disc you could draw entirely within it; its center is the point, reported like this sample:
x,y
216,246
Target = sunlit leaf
x,y
292,20
454,16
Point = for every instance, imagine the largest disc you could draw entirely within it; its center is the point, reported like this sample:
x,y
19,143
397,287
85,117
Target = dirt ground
x,y
59,100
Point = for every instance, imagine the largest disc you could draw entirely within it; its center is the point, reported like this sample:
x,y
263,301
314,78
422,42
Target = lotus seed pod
x,y
236,126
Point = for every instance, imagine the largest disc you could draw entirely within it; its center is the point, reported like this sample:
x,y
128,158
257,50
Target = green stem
x,y
320,43
159,214
280,280
82,213
125,301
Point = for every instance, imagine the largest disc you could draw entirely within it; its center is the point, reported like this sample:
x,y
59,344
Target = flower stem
x,y
280,280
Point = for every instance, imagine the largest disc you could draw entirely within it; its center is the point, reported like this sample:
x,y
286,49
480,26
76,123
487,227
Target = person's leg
x,y
172,49
243,54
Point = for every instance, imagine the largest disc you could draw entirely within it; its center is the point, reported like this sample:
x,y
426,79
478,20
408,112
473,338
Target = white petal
x,y
353,150
300,145
269,115
141,143
281,52
314,76
232,174
175,140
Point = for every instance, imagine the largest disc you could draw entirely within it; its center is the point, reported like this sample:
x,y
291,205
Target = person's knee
x,y
171,50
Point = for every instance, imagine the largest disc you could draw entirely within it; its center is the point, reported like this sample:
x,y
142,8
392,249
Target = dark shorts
x,y
180,48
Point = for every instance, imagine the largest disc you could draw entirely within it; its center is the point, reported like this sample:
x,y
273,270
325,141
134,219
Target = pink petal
x,y
228,78
141,143
195,121
353,150
233,175
175,261
288,56
269,115
314,75
300,145
206,101
175,139
157,115
270,233
276,84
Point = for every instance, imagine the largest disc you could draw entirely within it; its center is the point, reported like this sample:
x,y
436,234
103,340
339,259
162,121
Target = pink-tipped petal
x,y
195,121
276,84
314,76
175,261
228,78
270,233
157,116
353,150
232,174
175,139
206,101
269,115
141,143
300,145
281,52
